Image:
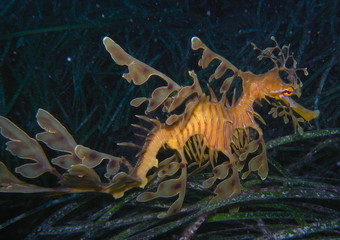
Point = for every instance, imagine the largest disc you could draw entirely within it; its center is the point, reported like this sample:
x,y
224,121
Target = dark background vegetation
x,y
52,57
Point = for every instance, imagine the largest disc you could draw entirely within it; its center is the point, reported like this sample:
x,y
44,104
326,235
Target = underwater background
x,y
52,57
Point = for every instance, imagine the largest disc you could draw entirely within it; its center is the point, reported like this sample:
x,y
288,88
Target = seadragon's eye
x,y
288,92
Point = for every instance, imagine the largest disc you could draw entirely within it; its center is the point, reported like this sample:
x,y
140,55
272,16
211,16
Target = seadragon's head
x,y
281,83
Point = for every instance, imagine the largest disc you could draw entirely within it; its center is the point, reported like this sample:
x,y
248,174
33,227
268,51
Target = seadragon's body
x,y
211,120
207,127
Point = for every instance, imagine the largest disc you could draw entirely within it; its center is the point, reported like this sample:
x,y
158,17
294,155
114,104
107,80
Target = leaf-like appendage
x,y
220,172
57,138
207,57
185,92
258,163
81,177
121,183
282,57
92,159
10,183
286,112
136,102
178,99
228,187
249,148
25,147
113,167
169,170
169,188
168,166
139,73
307,114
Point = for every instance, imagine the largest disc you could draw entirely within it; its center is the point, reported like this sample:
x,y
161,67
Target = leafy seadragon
x,y
206,128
